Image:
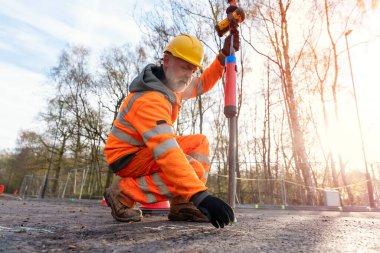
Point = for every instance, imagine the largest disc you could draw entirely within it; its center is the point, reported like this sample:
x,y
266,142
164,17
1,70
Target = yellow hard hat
x,y
188,48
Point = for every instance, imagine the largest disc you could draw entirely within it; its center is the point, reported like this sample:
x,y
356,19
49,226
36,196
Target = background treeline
x,y
290,93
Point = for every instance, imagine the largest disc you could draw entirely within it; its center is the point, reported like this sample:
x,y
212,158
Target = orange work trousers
x,y
143,181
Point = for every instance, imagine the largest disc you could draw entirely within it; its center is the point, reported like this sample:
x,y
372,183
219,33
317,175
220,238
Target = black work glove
x,y
218,212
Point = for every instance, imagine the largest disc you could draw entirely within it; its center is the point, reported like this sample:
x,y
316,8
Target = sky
x,y
32,36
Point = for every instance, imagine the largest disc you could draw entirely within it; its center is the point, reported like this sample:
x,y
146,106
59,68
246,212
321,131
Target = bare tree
x,y
118,67
275,26
74,82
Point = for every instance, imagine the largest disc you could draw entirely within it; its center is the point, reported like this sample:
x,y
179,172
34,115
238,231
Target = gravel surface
x,y
86,226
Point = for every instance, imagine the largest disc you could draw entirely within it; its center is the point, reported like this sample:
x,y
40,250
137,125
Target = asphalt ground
x,y
85,226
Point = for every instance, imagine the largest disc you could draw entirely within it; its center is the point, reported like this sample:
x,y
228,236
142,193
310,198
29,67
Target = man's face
x,y
178,73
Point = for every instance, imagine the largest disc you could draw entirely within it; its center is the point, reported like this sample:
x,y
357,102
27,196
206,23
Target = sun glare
x,y
364,47
343,140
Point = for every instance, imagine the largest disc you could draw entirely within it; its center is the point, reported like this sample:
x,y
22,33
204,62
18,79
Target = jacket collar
x,y
151,79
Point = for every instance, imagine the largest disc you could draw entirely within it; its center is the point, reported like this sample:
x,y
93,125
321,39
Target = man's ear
x,y
166,59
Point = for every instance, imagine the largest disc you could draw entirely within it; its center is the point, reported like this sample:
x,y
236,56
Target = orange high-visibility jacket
x,y
146,119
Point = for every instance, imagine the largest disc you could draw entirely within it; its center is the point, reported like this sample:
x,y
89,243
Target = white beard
x,y
173,84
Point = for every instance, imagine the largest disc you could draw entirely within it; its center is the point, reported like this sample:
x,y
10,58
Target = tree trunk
x,y
301,158
346,184
333,88
59,165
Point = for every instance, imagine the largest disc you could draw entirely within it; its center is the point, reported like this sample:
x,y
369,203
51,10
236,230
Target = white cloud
x,y
106,24
91,23
43,28
41,16
7,47
22,96
32,35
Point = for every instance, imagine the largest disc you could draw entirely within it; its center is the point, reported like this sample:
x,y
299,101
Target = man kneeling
x,y
142,148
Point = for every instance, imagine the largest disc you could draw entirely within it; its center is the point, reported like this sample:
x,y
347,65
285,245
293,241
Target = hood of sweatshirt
x,y
150,79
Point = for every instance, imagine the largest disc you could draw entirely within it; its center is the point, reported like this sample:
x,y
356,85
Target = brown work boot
x,y
186,212
119,211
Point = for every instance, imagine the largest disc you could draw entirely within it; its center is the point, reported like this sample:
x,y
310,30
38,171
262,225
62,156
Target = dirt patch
x,y
86,226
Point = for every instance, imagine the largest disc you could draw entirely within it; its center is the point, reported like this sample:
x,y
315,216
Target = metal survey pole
x,y
230,110
235,15
232,122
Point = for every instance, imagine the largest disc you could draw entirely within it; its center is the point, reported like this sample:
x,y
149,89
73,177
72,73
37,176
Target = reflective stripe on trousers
x,y
144,182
